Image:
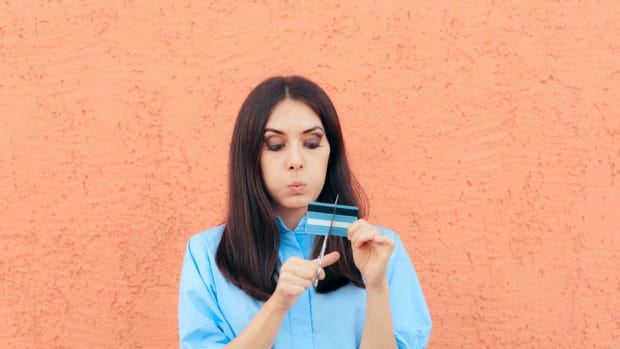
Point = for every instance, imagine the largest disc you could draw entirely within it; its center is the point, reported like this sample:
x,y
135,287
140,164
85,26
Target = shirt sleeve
x,y
201,322
410,316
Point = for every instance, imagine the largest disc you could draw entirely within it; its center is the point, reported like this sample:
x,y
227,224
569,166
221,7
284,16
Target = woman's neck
x,y
291,218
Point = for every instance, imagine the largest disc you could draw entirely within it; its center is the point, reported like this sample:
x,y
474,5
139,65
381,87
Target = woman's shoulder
x,y
205,241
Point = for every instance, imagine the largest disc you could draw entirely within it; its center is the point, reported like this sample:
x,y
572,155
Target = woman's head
x,y
286,150
293,159
273,115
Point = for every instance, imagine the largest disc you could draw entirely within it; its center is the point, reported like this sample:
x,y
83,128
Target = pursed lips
x,y
297,186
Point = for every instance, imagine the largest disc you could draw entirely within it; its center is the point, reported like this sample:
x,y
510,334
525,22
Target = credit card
x,y
319,218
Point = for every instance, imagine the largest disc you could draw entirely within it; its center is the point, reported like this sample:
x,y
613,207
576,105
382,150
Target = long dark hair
x,y
248,252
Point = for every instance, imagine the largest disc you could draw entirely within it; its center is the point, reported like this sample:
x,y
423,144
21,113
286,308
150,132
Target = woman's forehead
x,y
290,116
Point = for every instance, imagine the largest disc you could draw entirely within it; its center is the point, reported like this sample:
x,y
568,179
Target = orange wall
x,y
487,135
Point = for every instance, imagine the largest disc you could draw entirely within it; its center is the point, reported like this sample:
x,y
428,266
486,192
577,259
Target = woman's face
x,y
294,157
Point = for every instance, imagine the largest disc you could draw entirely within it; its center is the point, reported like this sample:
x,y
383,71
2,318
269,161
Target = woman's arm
x,y
296,276
261,332
371,253
378,330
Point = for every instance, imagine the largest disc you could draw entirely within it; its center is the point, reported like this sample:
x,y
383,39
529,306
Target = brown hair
x,y
248,252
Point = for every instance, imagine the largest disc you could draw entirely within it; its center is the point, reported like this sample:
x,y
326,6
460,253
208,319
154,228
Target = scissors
x,y
315,282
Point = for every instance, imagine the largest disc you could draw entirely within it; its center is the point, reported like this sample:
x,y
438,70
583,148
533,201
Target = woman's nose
x,y
295,159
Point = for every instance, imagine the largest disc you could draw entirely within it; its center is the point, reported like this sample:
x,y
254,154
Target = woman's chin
x,y
295,203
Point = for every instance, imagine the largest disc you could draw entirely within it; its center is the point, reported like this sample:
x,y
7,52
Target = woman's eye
x,y
275,146
312,145
313,142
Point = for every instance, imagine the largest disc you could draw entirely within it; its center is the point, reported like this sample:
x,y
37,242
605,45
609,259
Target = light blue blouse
x,y
212,311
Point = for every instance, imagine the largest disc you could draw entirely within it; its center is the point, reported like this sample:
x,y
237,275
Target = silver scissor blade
x,y
315,282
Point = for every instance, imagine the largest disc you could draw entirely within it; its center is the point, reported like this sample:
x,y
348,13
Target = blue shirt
x,y
212,311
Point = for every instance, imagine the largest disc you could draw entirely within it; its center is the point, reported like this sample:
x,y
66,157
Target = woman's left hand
x,y
371,252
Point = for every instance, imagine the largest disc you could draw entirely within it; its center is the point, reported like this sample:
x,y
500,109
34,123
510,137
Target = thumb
x,y
330,258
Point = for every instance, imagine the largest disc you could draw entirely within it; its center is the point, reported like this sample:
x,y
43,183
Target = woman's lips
x,y
297,186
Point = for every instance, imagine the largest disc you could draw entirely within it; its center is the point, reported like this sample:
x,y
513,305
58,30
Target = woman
x,y
247,283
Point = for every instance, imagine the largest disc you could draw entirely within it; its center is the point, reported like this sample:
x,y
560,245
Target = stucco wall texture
x,y
487,134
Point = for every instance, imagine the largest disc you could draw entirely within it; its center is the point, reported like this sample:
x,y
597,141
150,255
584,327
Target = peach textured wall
x,y
486,133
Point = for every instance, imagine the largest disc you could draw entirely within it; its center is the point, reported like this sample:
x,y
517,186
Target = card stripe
x,y
328,217
325,223
329,208
320,230
320,216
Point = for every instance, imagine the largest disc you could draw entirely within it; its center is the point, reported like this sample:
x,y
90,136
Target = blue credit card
x,y
319,218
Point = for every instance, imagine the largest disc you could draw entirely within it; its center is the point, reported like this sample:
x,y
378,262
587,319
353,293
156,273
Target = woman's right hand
x,y
296,276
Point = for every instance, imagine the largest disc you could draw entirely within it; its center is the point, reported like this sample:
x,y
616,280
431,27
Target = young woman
x,y
248,283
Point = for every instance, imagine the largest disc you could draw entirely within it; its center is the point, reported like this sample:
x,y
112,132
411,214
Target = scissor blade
x,y
329,230
331,221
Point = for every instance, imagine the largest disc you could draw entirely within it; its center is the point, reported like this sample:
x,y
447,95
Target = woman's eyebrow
x,y
312,129
273,130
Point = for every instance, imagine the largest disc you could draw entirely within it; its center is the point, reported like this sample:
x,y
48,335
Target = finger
x,y
384,239
296,263
308,273
364,235
355,226
291,264
290,290
294,282
330,259
302,282
306,270
293,261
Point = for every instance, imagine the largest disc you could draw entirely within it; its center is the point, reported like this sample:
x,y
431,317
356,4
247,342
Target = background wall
x,y
486,133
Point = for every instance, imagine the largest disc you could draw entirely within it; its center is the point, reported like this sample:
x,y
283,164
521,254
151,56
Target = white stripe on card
x,y
325,223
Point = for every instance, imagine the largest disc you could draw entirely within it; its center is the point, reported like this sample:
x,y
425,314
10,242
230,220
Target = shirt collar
x,y
301,227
